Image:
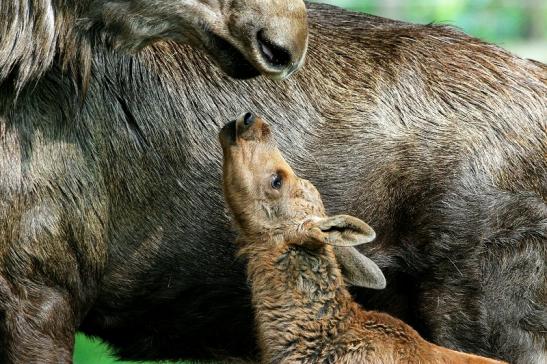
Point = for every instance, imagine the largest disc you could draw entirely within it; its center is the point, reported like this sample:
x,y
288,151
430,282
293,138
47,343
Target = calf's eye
x,y
277,181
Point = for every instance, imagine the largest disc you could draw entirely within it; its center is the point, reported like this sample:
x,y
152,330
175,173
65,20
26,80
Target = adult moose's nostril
x,y
274,54
248,119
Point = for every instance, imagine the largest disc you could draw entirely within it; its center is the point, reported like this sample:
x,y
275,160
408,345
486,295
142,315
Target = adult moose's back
x,y
434,138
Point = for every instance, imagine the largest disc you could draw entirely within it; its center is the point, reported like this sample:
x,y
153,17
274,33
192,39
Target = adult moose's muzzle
x,y
269,37
245,38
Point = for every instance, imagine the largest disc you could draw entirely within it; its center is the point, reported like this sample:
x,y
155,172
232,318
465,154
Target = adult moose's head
x,y
244,37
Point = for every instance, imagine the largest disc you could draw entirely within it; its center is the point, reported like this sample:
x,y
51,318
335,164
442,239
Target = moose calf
x,y
304,313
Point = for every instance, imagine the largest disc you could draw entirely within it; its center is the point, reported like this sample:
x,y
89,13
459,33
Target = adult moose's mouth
x,y
229,58
259,56
275,55
263,37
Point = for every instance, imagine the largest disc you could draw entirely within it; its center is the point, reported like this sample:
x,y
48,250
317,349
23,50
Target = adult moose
x,y
111,210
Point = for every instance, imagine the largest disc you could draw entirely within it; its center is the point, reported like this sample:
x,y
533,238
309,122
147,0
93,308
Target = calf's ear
x,y
358,270
345,230
338,230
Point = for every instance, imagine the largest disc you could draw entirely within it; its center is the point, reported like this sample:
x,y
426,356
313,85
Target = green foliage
x,y
93,351
492,20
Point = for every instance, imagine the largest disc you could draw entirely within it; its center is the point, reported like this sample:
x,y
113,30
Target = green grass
x,y
93,351
89,351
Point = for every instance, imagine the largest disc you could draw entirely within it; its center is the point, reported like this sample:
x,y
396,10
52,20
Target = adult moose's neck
x,y
300,300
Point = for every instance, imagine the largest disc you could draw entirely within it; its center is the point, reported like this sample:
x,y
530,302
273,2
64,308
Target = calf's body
x,y
110,208
303,311
304,314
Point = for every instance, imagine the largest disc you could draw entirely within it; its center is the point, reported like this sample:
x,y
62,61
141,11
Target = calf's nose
x,y
248,119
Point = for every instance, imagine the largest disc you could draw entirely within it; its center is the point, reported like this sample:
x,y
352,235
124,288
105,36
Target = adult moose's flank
x,y
111,210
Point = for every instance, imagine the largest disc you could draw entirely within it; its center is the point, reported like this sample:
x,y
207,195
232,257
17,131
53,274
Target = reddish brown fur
x,y
303,311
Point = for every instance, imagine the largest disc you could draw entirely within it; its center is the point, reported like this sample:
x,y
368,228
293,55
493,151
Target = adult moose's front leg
x,y
38,325
488,294
45,283
499,313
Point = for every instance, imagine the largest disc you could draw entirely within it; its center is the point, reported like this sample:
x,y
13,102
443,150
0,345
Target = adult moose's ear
x,y
358,270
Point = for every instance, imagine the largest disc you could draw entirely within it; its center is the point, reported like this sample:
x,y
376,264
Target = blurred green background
x,y
520,26
517,25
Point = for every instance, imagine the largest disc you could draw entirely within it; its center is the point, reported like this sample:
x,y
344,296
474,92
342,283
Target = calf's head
x,y
271,205
245,37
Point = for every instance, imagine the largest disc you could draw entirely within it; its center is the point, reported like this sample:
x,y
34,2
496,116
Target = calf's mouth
x,y
248,127
228,134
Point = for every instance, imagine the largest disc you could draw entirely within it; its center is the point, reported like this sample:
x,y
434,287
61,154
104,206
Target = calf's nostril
x,y
248,119
274,54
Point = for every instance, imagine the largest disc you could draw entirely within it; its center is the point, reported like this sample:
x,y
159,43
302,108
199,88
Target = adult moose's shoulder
x,y
244,37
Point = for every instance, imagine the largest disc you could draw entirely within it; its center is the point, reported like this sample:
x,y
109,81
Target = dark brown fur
x,y
111,207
